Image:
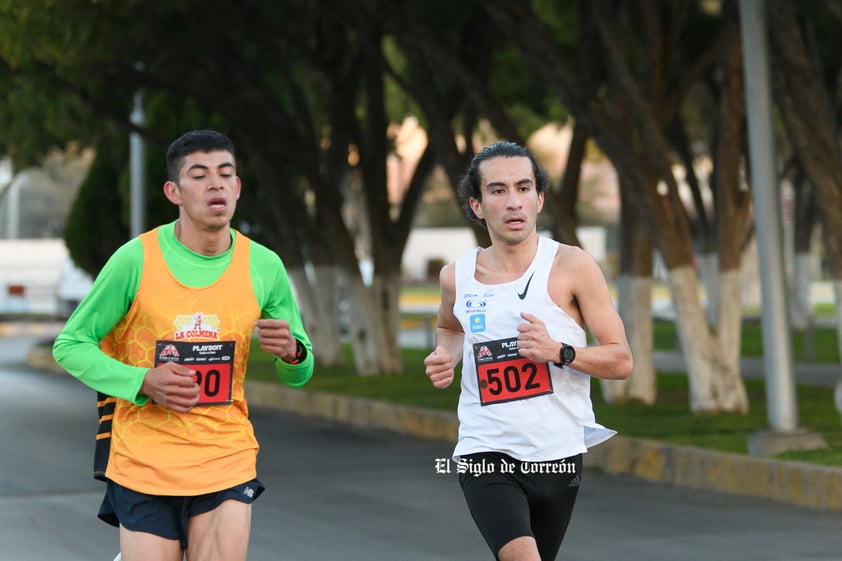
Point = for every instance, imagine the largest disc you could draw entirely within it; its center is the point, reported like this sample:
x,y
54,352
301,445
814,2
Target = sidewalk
x,y
822,375
796,483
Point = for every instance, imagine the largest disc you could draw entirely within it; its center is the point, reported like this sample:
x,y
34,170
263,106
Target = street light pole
x,y
784,433
137,160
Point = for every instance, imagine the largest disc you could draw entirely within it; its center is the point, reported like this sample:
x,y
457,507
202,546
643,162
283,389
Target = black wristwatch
x,y
565,356
300,353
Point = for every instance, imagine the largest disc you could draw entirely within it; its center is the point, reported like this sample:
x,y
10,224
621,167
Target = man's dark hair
x,y
469,186
191,142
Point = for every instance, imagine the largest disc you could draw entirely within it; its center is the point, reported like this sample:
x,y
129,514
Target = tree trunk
x,y
806,111
715,386
837,293
386,290
634,295
801,311
730,388
374,348
318,309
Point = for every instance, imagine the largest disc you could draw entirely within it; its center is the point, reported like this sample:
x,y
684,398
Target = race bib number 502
x,y
213,363
504,375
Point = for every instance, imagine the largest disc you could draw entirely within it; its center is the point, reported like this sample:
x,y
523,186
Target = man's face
x,y
207,189
510,201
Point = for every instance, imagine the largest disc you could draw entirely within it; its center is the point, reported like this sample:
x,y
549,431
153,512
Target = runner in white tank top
x,y
530,411
515,315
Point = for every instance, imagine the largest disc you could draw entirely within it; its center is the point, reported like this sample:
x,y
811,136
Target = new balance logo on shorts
x,y
249,492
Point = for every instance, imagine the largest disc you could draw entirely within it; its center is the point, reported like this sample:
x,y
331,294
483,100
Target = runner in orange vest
x,y
163,336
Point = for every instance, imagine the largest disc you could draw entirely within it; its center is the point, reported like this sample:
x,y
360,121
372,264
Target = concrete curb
x,y
356,412
797,483
42,359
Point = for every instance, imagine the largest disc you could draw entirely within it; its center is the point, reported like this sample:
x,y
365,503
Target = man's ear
x,y
172,192
476,206
540,201
239,187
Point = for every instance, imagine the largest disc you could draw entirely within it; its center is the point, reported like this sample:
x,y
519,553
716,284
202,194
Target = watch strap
x,y
300,353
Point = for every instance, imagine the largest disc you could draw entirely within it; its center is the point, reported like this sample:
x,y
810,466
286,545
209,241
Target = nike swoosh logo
x,y
522,295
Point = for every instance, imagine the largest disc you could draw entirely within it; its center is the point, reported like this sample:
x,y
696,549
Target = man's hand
x,y
172,386
534,342
439,367
276,338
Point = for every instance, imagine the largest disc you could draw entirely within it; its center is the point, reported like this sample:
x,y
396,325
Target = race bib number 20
x,y
504,375
213,363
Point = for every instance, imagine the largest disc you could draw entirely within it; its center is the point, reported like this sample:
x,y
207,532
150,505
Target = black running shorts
x,y
166,516
510,498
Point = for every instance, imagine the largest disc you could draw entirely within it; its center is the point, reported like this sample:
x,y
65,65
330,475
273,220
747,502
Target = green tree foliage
x,y
94,228
307,89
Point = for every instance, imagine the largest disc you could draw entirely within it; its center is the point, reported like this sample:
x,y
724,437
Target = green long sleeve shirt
x,y
77,347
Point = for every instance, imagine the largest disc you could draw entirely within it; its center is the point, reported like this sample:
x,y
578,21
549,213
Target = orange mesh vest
x,y
212,447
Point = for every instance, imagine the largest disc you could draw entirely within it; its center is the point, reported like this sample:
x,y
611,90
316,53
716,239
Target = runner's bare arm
x,y
587,299
441,363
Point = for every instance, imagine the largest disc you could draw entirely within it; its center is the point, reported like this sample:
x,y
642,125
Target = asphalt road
x,y
337,494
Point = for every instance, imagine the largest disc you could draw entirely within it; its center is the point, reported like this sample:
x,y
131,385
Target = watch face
x,y
568,353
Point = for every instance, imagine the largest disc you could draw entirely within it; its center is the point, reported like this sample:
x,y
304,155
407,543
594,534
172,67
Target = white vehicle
x,y
74,285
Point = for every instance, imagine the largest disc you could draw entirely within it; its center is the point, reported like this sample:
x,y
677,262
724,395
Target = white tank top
x,y
530,411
